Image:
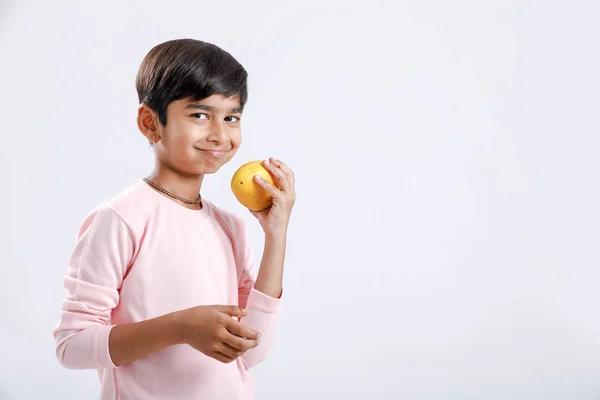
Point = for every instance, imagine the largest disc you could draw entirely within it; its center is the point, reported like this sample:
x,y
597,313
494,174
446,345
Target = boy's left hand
x,y
275,219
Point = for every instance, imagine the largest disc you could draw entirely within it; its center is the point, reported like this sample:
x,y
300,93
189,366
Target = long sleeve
x,y
103,252
263,310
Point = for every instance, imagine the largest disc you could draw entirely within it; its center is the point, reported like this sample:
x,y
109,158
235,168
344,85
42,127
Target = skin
x,y
182,159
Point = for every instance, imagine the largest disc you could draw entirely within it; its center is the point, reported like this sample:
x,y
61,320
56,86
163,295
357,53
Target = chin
x,y
209,169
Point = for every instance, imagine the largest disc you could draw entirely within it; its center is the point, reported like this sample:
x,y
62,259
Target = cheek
x,y
176,148
236,138
181,136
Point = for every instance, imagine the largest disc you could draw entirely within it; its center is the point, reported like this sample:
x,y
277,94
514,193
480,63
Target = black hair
x,y
188,68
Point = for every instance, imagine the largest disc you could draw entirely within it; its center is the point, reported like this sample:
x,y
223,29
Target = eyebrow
x,y
205,107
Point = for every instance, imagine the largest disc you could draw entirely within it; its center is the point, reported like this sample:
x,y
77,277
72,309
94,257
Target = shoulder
x,y
125,208
131,201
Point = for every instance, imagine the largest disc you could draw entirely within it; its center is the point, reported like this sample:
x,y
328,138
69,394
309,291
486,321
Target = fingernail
x,y
266,162
258,177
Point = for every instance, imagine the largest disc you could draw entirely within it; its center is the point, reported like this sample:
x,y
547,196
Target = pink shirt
x,y
140,255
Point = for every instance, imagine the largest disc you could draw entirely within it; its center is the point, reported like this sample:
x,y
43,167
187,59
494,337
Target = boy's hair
x,y
188,68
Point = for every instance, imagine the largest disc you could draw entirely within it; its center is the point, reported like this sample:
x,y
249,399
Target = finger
x,y
230,351
268,186
287,170
221,357
282,177
239,344
232,311
289,173
240,330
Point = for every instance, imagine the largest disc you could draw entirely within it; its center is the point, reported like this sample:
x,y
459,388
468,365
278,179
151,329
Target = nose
x,y
217,132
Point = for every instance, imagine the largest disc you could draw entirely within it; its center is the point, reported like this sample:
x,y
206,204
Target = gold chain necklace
x,y
155,185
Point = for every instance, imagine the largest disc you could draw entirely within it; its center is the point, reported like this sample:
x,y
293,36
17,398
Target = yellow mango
x,y
249,193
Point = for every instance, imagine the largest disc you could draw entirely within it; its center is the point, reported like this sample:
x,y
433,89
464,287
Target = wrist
x,y
178,327
279,234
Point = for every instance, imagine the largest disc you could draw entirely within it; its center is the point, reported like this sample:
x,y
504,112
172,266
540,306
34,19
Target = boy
x,y
161,298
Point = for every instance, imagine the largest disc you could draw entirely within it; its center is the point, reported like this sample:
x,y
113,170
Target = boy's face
x,y
200,136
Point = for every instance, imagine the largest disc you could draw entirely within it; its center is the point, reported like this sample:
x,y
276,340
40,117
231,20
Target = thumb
x,y
232,311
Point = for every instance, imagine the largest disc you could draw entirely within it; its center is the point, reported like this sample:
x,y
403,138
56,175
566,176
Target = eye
x,y
232,118
200,116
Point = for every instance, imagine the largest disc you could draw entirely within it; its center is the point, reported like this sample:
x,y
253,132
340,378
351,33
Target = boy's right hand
x,y
212,331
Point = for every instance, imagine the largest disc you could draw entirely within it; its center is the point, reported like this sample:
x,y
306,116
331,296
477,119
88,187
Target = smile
x,y
214,153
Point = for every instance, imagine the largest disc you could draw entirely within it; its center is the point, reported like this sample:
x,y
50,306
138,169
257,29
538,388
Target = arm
x,y
275,221
270,275
86,339
98,264
128,342
208,329
264,294
262,298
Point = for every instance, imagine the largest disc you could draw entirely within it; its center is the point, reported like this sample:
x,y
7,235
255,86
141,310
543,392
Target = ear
x,y
148,123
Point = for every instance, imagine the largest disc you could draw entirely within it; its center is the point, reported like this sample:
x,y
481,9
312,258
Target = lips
x,y
216,153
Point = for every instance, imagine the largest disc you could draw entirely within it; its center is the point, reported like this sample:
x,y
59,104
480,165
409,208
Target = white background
x,y
446,239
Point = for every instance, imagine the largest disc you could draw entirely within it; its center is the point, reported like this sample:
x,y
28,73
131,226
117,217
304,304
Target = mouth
x,y
214,153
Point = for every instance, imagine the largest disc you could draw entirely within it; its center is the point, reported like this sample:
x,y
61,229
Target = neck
x,y
184,185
